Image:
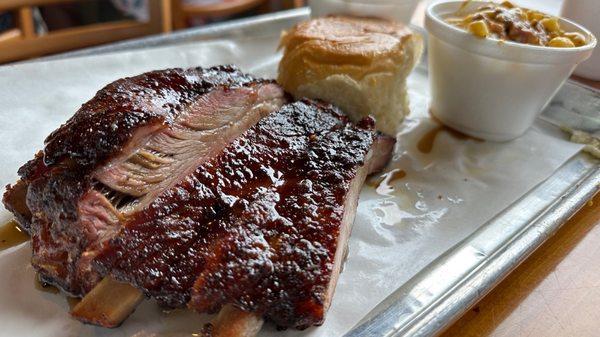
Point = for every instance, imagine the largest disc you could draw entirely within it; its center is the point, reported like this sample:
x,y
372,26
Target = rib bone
x,y
111,302
233,322
108,304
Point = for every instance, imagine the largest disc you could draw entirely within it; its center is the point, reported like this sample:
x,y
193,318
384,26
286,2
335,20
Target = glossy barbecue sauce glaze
x,y
60,176
257,226
121,108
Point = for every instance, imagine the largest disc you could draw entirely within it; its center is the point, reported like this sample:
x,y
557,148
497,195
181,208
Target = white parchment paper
x,y
401,226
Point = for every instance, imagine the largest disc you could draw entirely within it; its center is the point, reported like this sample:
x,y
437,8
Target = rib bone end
x,y
233,322
108,304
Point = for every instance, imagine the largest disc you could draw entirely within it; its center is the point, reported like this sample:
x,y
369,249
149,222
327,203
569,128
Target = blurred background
x,y
31,28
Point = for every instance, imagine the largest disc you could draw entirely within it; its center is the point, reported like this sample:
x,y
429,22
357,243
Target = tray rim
x,y
449,306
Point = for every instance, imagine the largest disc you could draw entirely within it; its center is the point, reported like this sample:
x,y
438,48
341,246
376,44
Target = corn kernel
x,y
550,24
561,42
534,16
479,28
507,4
488,13
468,18
577,38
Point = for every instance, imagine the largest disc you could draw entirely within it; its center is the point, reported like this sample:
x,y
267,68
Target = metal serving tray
x,y
449,286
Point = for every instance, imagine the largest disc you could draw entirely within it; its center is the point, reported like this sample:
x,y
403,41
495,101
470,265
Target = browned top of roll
x,y
347,39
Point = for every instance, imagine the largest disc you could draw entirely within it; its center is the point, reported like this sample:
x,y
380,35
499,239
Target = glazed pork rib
x,y
136,137
262,226
225,198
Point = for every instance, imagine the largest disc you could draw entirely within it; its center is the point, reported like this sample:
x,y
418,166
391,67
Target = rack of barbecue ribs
x,y
202,188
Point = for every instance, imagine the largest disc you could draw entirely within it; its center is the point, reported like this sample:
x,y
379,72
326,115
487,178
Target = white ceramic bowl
x,y
493,89
398,10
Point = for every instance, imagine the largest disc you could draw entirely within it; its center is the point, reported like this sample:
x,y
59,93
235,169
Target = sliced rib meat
x,y
262,226
134,139
202,188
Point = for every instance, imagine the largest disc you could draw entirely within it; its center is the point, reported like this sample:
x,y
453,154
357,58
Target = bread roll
x,y
358,64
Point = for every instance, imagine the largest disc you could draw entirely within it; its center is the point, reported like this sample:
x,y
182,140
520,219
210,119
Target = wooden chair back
x,y
183,11
23,42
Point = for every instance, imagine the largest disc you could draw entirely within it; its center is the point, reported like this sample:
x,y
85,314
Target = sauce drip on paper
x,y
374,182
73,301
48,288
397,175
45,287
425,144
11,235
394,175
